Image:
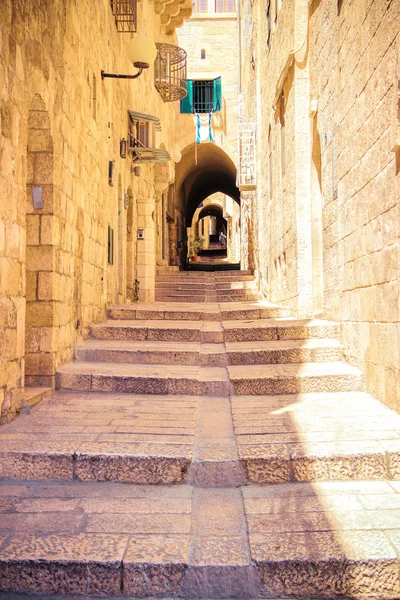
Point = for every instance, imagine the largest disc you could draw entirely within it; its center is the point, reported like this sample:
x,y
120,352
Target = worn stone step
x,y
284,351
278,329
230,275
159,330
143,379
102,437
316,436
149,352
295,378
197,311
180,297
328,539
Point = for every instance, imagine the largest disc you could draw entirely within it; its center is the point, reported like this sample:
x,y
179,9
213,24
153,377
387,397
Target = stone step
x,y
316,436
143,379
205,285
212,355
197,311
278,329
230,274
102,437
167,439
233,329
283,351
148,352
295,378
159,330
206,298
330,540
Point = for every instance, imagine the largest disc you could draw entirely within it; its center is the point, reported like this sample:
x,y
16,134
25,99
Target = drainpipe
x,y
239,17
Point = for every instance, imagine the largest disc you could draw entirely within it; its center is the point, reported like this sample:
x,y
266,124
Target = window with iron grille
x,y
224,6
200,6
125,15
204,96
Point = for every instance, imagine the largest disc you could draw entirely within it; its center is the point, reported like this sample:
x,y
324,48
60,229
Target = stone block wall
x,y
60,129
217,34
328,242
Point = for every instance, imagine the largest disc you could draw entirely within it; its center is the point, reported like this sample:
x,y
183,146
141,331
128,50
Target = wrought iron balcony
x,y
170,72
125,15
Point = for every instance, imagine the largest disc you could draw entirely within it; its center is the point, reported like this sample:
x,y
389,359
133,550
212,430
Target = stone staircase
x,y
203,286
203,450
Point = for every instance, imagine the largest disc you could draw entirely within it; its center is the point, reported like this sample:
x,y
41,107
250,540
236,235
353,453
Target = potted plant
x,y
196,246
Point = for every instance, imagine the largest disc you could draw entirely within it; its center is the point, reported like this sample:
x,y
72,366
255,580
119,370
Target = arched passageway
x,y
204,170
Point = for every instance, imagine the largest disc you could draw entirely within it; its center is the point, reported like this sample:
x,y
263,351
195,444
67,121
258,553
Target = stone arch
x,y
42,282
203,170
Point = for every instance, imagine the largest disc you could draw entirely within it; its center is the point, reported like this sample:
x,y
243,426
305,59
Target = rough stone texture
x,y
60,127
326,209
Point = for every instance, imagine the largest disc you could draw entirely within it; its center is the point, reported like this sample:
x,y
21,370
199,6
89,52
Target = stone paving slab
x,y
310,539
316,436
101,437
324,539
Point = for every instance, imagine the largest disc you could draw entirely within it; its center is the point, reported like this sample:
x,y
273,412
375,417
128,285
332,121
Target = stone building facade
x,y
314,85
71,206
320,82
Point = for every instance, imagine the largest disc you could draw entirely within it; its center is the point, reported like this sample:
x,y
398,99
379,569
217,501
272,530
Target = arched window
x,y
202,54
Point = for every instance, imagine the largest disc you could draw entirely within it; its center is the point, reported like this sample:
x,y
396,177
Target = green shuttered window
x,y
203,96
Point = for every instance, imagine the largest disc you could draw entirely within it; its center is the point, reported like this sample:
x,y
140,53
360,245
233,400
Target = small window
x,y
200,6
202,54
224,6
94,98
204,96
110,246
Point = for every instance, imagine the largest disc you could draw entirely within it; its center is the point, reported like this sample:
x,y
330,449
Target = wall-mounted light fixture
x,y
122,148
142,53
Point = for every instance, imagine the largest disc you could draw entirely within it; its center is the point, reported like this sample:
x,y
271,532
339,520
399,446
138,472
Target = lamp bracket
x,y
138,65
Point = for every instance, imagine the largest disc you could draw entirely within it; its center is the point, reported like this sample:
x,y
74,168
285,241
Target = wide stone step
x,y
230,274
143,379
316,436
330,540
283,351
148,352
102,437
159,330
296,378
278,329
197,311
250,297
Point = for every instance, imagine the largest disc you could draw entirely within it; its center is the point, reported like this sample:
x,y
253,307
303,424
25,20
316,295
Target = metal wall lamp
x,y
141,52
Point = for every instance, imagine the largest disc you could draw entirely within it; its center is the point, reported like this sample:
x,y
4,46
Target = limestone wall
x,y
61,125
216,34
328,206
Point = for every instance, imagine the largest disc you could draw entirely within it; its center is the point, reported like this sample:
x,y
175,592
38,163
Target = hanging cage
x,y
170,72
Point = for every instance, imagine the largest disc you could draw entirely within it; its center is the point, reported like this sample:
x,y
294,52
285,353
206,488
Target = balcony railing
x,y
125,15
170,72
246,176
